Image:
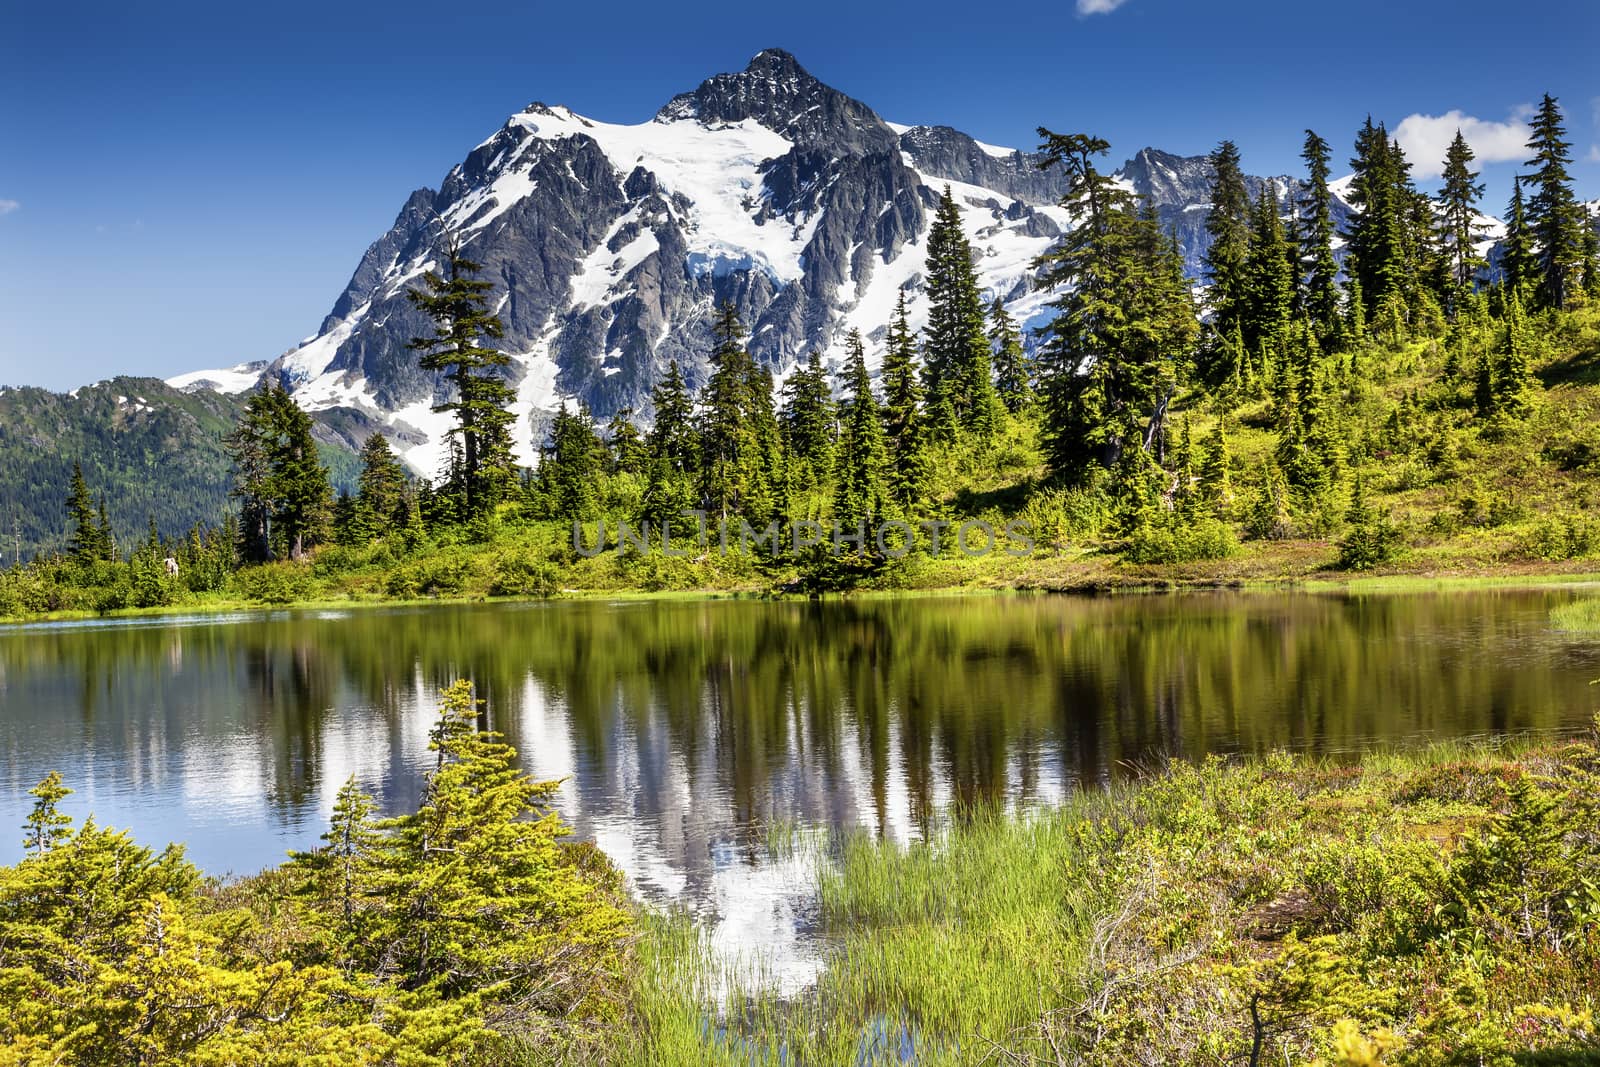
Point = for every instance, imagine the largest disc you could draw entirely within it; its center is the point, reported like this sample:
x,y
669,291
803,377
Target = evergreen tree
x,y
570,468
957,349
1215,490
627,450
1267,298
1591,255
380,503
479,894
344,873
904,423
860,493
88,543
672,438
1226,260
1458,215
46,826
300,482
1512,382
807,421
458,304
738,430
1378,259
672,448
1318,267
1012,372
1518,267
279,478
1555,219
1124,320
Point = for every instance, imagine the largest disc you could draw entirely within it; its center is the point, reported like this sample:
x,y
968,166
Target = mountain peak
x,y
777,92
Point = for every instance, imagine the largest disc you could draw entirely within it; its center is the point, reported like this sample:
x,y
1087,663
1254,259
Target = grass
x,y
1381,902
1580,616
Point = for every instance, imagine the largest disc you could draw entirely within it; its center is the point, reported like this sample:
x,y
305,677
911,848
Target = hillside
x,y
149,449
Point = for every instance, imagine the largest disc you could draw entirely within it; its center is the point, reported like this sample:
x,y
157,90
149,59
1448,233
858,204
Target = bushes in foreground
x,y
430,938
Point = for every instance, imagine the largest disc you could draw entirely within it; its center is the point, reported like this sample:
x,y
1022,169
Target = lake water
x,y
686,728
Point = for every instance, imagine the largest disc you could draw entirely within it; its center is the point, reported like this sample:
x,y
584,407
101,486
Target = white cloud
x,y
8,206
1594,153
1425,139
1099,7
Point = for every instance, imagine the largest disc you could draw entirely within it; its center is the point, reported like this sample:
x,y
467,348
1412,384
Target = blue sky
x,y
190,185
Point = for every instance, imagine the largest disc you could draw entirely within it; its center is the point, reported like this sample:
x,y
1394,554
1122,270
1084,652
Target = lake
x,y
685,729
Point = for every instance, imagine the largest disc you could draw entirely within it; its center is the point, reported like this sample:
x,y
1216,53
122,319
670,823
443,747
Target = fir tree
x,y
738,431
860,492
1215,490
1554,218
381,499
1512,382
46,826
1226,260
279,478
1591,255
1267,298
569,469
1378,256
1124,320
1013,375
1518,267
1319,269
807,421
904,423
672,438
88,540
344,873
957,349
627,450
458,304
1460,229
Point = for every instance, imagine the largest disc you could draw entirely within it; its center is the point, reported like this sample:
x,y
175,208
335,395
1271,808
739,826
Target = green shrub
x,y
523,574
1174,540
274,583
438,576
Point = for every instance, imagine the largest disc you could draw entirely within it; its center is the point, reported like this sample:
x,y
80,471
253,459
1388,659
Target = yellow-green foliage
x,y
1408,911
433,938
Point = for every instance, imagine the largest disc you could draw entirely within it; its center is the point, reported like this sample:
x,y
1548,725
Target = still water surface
x,y
683,729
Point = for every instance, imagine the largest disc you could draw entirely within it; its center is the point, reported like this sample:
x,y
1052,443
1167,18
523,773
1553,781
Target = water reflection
x,y
684,729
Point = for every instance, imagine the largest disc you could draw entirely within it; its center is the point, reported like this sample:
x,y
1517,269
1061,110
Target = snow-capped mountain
x,y
610,245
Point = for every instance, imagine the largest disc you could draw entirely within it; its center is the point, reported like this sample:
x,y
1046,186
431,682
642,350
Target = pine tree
x,y
1267,297
1215,490
904,423
1124,320
672,438
381,498
860,494
738,431
1379,255
1226,260
1460,229
480,895
344,872
458,304
1012,372
1512,382
626,446
1319,268
957,349
807,421
300,483
278,477
1591,255
88,542
1554,218
569,469
46,826
1518,267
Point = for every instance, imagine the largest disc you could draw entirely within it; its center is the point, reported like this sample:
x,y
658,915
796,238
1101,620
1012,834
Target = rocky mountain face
x,y
610,245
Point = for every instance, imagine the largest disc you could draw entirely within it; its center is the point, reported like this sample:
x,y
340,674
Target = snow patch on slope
x,y
717,168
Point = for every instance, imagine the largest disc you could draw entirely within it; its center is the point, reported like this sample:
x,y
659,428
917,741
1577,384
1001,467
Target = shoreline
x,y
1552,575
